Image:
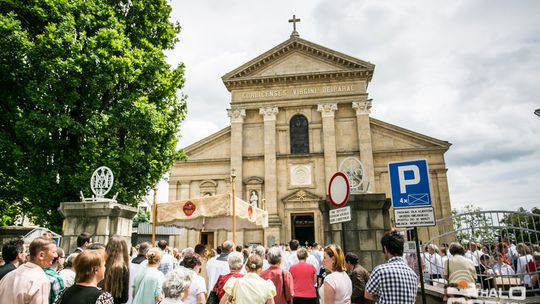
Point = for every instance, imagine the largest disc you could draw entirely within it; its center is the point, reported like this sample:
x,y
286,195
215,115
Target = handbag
x,y
232,297
212,298
213,295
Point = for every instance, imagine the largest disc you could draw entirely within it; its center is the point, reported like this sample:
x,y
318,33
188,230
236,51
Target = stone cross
x,y
293,21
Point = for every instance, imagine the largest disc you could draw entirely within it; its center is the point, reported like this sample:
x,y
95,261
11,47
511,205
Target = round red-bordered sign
x,y
338,190
189,208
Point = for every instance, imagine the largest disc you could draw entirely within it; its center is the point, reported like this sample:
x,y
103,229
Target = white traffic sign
x,y
340,215
414,217
338,190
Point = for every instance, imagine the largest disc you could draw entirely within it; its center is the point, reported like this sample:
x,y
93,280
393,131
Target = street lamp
x,y
233,179
537,112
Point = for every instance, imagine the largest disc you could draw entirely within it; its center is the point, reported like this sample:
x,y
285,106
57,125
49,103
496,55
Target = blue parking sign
x,y
409,184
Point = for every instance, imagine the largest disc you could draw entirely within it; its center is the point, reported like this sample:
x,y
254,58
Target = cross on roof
x,y
293,21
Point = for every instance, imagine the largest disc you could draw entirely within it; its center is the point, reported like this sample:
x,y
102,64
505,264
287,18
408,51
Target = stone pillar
x,y
370,219
329,139
184,190
237,125
102,219
270,179
364,142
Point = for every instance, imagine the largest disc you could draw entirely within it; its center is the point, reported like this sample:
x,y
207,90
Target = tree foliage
x,y
489,227
472,224
84,83
523,226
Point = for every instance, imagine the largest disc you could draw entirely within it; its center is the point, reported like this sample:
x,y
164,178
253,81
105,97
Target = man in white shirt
x,y
29,283
473,254
318,255
219,266
197,289
435,263
168,262
293,258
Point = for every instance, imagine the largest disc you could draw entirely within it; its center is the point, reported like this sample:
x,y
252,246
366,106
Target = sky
x,y
463,71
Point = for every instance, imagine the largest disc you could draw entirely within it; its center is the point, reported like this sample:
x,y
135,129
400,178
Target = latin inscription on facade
x,y
298,92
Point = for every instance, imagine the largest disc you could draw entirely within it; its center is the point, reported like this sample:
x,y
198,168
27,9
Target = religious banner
x,y
211,213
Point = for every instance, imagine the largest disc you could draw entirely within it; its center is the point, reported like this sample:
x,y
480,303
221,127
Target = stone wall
x,y
101,219
370,219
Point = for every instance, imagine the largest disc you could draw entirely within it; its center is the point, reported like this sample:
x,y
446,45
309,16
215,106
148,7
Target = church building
x,y
299,113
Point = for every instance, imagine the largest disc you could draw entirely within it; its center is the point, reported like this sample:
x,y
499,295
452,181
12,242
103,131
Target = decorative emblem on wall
x,y
300,175
301,195
101,181
189,208
353,168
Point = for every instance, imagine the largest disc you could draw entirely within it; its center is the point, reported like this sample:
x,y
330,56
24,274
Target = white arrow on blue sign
x,y
409,184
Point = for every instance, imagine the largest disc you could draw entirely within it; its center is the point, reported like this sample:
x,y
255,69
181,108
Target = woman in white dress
x,y
337,286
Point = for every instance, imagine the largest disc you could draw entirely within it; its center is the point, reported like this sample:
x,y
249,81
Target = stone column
x,y
184,190
329,139
270,176
270,182
237,125
364,142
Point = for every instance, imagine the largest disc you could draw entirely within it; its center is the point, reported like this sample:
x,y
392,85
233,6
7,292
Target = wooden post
x,y
154,217
233,178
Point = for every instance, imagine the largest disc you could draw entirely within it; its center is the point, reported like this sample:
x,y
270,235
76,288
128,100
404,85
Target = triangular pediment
x,y
297,63
386,137
297,58
215,146
301,196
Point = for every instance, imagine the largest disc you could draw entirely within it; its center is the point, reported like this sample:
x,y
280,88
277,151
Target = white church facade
x,y
298,112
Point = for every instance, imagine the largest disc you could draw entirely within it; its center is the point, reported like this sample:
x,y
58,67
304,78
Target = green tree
x,y
83,84
522,226
141,217
471,224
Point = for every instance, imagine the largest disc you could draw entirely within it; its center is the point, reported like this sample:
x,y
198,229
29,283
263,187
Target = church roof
x,y
221,139
324,63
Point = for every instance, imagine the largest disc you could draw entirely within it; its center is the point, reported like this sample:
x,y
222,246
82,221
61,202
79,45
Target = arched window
x,y
299,132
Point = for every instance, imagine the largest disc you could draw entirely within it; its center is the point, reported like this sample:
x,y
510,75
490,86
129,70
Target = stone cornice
x,y
245,82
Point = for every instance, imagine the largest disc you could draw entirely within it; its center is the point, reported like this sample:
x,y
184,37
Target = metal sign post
x,y
338,193
411,200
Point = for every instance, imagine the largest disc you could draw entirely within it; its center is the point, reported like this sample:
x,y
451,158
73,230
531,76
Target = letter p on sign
x,y
409,184
403,182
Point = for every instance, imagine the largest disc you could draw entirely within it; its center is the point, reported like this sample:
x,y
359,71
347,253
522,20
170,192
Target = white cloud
x,y
462,71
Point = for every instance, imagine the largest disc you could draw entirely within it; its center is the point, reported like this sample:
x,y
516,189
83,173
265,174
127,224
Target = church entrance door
x,y
303,228
207,239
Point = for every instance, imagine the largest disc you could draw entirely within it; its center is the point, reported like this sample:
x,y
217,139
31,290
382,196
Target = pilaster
x,y
270,178
329,139
237,126
363,108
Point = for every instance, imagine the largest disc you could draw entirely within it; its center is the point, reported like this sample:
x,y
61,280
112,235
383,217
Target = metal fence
x,y
503,246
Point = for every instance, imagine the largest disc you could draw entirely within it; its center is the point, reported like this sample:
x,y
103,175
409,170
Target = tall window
x,y
299,134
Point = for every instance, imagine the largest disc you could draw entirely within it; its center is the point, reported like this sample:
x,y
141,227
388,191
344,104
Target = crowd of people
x,y
482,267
118,273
